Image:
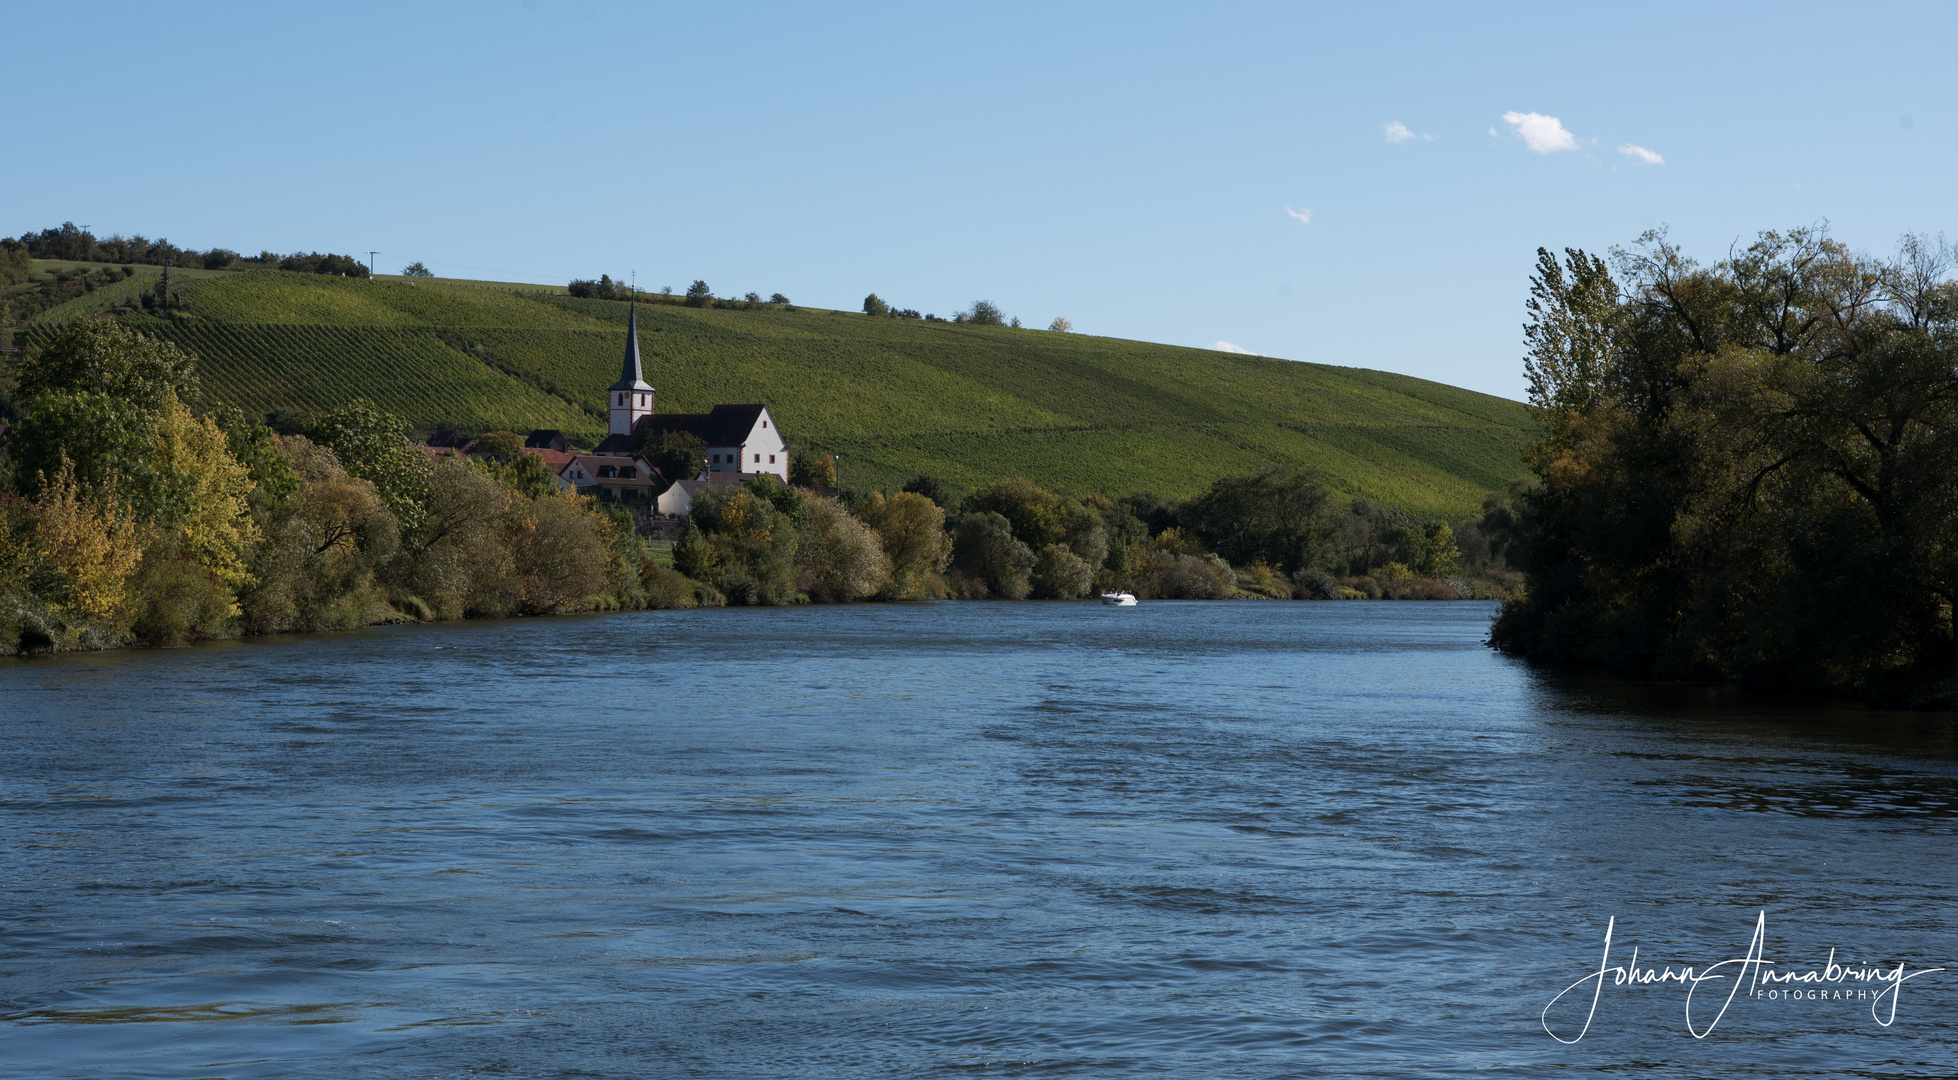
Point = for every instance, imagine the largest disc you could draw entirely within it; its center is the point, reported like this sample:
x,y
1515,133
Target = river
x,y
952,840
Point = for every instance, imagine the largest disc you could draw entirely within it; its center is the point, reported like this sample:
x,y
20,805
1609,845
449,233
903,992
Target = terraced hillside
x,y
895,397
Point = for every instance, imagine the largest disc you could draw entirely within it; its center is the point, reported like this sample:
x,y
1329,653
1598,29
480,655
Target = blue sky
x,y
1144,170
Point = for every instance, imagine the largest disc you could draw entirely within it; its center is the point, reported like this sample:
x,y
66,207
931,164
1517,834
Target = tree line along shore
x,y
129,518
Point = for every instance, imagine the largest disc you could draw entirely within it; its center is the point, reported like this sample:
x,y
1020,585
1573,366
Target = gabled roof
x,y
644,475
727,425
631,376
547,438
556,459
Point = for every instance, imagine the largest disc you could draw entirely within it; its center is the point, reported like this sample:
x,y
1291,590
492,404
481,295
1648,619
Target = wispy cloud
x,y
1649,157
1225,346
1304,216
1398,132
1543,134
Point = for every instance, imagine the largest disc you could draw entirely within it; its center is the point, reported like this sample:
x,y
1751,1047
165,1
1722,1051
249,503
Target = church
x,y
742,440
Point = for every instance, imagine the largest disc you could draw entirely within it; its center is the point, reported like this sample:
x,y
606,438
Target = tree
x,y
1059,574
678,455
373,445
931,487
498,444
416,269
1275,516
101,442
778,298
698,294
984,550
816,472
100,356
911,529
838,558
1038,517
1747,468
873,306
984,313
1060,325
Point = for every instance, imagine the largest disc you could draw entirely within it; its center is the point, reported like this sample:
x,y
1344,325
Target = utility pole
x,y
165,298
370,262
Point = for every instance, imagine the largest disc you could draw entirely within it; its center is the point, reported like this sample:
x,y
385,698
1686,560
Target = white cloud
x,y
1398,132
1650,157
1543,134
1225,346
1304,216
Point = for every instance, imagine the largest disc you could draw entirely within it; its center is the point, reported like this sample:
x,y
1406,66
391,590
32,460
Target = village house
x,y
625,479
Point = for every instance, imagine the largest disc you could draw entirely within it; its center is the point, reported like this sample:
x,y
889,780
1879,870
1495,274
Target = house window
x,y
757,459
717,459
764,423
771,459
628,473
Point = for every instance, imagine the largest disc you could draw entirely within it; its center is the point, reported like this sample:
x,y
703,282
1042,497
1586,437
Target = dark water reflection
x,y
1217,840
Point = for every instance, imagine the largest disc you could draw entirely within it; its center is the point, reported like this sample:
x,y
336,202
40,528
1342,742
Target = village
x,y
733,444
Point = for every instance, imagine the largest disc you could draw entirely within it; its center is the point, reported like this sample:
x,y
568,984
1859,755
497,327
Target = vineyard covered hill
x,y
895,397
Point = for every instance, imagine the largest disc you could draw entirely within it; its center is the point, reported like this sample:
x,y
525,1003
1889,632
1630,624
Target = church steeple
x,y
630,398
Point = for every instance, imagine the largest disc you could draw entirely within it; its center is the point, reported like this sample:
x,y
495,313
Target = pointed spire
x,y
631,375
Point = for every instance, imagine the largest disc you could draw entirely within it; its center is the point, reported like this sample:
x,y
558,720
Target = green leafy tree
x,y
100,356
984,313
1747,466
1038,517
698,294
373,445
985,551
816,472
1277,516
1060,574
678,455
838,558
931,487
1440,557
874,306
911,529
416,269
498,444
256,446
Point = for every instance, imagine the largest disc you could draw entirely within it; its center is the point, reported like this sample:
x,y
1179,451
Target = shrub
x,y
1191,577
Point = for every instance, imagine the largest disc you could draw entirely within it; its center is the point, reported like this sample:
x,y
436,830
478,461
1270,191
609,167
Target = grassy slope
x,y
894,397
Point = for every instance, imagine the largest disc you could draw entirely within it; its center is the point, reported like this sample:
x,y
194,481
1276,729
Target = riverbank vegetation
x,y
129,518
1749,470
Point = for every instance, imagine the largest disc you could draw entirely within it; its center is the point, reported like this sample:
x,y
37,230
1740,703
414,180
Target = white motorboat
x,y
1118,599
